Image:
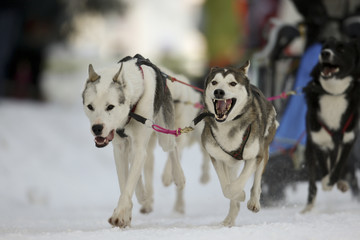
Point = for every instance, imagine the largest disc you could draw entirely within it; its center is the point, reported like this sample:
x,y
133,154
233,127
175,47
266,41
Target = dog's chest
x,y
226,140
332,109
330,114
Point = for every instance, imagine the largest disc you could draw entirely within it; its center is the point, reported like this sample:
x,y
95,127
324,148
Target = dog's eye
x,y
110,107
214,83
233,84
90,107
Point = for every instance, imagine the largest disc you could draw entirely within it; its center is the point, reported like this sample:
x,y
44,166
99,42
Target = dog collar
x,y
238,153
121,132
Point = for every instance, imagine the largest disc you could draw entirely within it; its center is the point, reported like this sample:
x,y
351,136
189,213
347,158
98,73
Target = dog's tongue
x,y
222,105
100,140
327,71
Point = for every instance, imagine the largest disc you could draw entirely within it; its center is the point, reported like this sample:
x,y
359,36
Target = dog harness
x,y
343,130
238,153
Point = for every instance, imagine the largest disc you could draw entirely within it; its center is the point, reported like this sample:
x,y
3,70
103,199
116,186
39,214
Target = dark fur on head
x,y
346,57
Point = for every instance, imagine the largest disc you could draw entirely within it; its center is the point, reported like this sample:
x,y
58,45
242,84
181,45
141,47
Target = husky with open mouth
x,y
111,98
241,129
333,98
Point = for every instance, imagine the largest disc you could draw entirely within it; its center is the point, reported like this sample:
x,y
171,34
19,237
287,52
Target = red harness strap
x,y
142,71
343,130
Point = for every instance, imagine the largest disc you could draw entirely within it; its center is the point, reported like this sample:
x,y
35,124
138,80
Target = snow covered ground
x,y
54,184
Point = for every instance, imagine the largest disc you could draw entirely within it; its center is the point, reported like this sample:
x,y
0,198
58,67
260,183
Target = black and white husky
x,y
241,129
332,98
111,99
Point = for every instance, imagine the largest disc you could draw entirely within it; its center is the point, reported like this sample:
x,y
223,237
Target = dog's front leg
x,y
167,176
339,168
224,174
311,154
254,202
178,174
234,209
205,167
148,176
235,190
122,214
121,155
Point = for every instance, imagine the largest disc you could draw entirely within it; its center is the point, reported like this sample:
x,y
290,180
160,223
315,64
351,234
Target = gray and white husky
x,y
110,98
241,129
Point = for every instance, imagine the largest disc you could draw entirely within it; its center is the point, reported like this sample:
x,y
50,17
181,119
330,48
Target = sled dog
x,y
184,98
110,98
136,86
241,129
333,99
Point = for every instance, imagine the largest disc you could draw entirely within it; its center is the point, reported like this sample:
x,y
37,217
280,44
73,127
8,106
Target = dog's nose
x,y
219,93
325,54
97,129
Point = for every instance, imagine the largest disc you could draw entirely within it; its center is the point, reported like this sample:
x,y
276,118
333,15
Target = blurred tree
x,y
223,31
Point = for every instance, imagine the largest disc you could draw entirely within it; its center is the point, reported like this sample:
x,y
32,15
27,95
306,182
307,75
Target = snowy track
x,y
54,184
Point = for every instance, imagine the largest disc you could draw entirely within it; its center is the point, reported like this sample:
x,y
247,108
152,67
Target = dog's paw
x,y
121,217
228,222
326,183
342,185
205,178
307,208
253,205
166,179
146,209
179,207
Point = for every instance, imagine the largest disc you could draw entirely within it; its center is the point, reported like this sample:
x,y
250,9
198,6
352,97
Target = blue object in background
x,y
292,123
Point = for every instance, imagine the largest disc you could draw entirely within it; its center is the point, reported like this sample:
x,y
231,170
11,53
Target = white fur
x,y
136,151
348,137
336,86
332,107
323,139
268,124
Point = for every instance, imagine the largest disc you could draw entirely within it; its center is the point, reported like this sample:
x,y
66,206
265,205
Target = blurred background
x,y
46,47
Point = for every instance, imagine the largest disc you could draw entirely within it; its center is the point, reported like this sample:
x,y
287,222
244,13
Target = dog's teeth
x,y
228,107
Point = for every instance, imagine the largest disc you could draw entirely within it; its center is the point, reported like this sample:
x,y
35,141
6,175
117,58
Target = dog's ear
x,y
211,73
245,68
116,77
93,76
214,69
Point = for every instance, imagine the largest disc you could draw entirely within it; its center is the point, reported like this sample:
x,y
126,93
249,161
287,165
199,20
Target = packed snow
x,y
55,184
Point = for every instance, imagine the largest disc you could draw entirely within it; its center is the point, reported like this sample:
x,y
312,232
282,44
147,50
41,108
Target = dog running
x,y
332,98
241,128
112,100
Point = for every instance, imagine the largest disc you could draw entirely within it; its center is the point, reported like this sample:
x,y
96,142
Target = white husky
x,y
136,86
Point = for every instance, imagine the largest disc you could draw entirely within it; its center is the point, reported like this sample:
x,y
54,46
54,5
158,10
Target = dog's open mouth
x,y
103,141
222,108
328,70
